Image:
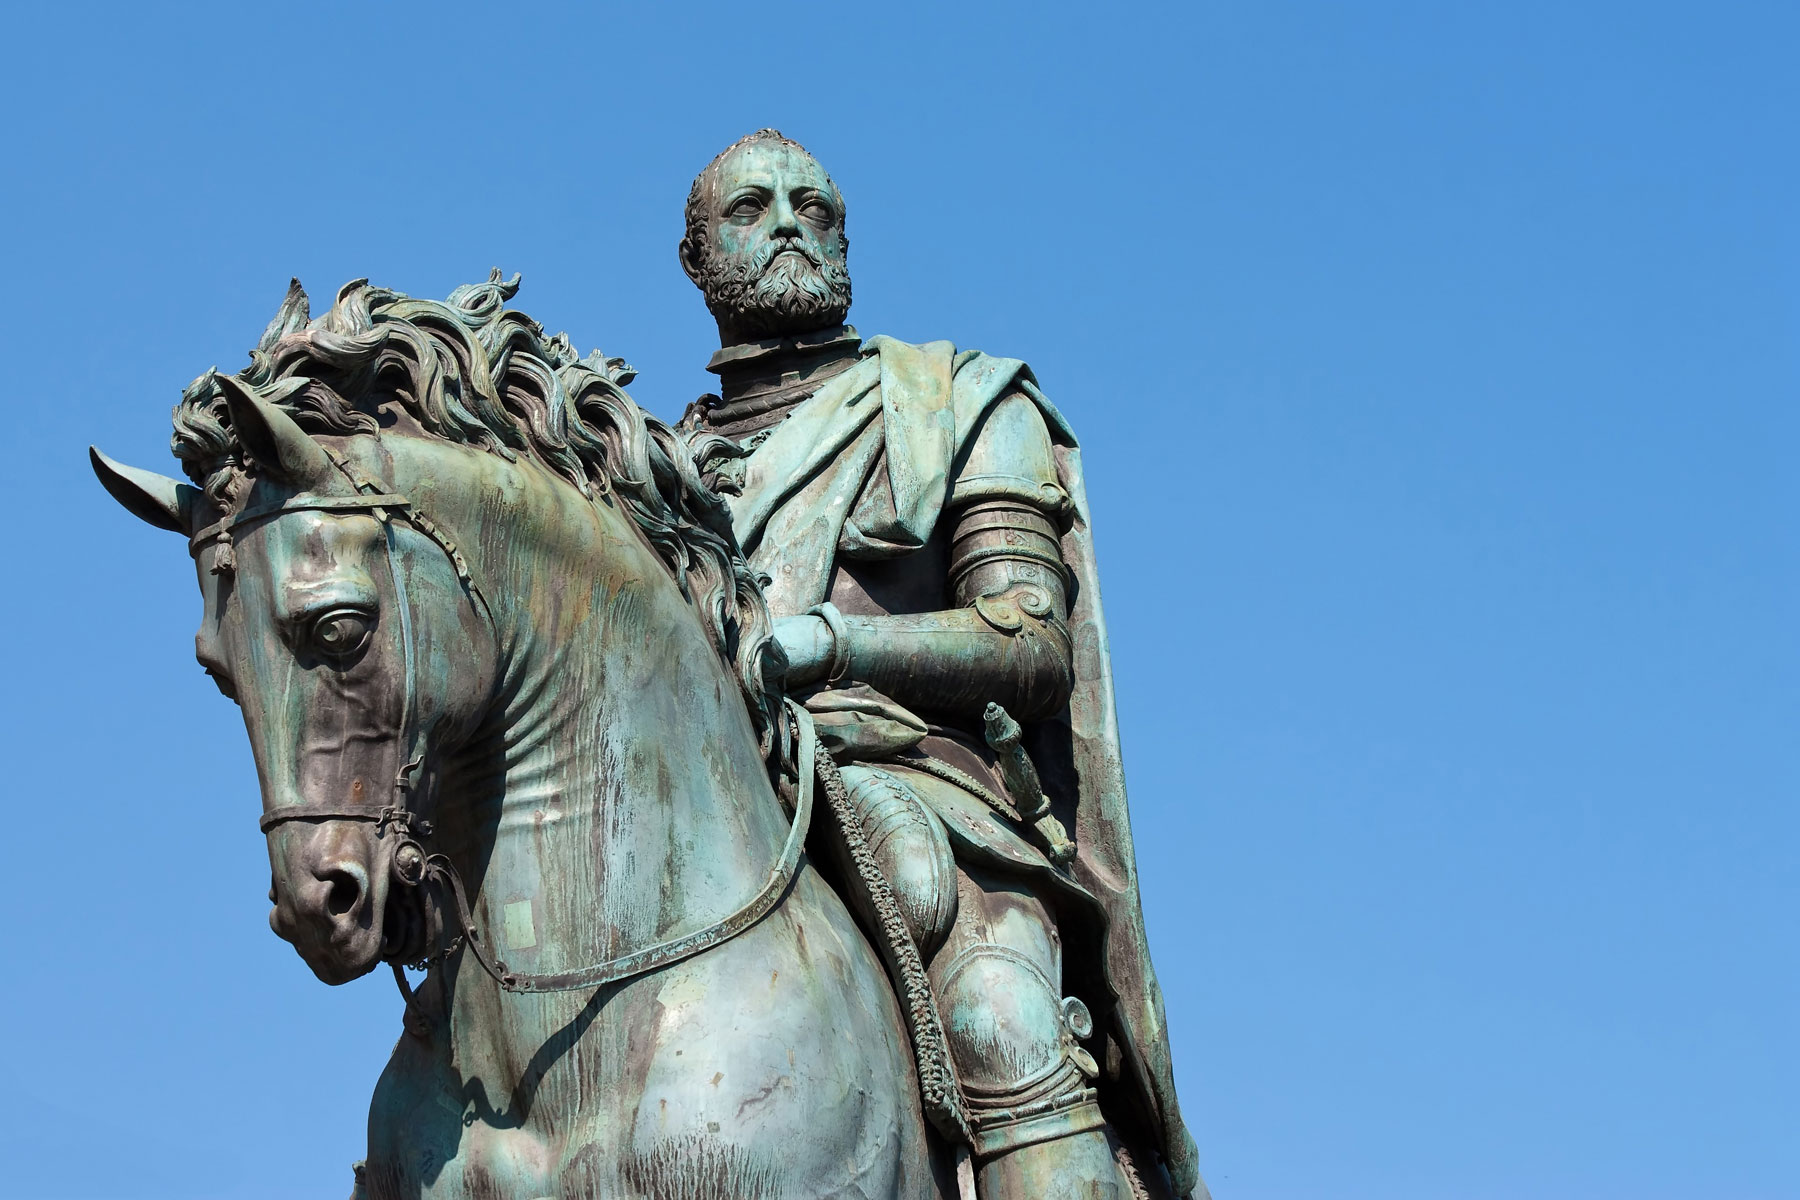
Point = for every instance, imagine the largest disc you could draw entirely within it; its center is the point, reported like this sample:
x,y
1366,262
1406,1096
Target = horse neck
x,y
619,797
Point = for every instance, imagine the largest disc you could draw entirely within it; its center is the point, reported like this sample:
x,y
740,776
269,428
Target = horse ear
x,y
163,502
277,444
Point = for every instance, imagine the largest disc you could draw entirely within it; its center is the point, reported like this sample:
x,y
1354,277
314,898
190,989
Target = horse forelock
x,y
471,371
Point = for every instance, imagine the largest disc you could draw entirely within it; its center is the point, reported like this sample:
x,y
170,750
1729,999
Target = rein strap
x,y
674,950
440,869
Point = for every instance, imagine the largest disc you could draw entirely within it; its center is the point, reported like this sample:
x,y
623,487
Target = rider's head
x,y
765,240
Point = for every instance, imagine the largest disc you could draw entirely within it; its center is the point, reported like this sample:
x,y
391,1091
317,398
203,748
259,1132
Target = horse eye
x,y
340,632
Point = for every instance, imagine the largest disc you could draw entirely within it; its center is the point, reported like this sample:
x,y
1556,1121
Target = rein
x,y
663,954
410,865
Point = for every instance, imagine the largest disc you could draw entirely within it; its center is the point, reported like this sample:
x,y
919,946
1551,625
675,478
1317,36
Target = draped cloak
x,y
864,468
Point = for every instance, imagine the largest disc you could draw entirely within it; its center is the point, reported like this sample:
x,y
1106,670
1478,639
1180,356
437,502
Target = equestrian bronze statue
x,y
744,797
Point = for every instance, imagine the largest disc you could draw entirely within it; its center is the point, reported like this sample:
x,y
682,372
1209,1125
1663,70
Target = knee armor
x,y
1013,1039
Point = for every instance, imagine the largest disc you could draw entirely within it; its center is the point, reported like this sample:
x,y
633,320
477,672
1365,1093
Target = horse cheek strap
x,y
411,866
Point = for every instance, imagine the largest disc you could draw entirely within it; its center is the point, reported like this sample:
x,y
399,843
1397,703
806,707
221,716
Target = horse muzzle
x,y
332,900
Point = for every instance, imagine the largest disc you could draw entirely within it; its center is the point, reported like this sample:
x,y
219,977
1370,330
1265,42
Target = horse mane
x,y
474,372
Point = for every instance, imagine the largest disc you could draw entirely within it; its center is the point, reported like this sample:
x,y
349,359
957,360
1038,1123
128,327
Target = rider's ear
x,y
163,502
278,445
689,253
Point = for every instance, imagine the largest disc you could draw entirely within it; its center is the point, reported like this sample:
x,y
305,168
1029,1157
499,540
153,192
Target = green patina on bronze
x,y
533,683
920,515
593,715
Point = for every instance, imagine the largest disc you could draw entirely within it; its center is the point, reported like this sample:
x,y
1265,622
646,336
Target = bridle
x,y
410,864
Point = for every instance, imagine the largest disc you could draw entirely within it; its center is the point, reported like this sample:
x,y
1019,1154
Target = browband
x,y
300,503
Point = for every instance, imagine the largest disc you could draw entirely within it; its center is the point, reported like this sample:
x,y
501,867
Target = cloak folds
x,y
863,468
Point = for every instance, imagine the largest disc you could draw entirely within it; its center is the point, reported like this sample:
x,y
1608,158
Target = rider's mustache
x,y
767,252
763,294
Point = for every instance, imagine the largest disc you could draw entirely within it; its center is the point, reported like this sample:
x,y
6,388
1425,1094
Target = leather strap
x,y
380,814
667,953
440,869
301,503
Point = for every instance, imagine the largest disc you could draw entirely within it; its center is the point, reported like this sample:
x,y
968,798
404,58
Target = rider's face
x,y
773,261
767,195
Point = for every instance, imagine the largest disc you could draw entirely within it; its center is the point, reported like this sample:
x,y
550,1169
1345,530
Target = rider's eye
x,y
340,632
747,206
818,212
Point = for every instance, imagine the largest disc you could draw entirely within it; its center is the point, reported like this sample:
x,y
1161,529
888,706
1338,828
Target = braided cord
x,y
938,1087
963,780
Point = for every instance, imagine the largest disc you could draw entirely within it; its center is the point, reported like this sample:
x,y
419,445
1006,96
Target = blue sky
x,y
1436,369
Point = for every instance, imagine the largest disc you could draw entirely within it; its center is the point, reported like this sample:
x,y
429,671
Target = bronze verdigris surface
x,y
489,635
748,793
920,515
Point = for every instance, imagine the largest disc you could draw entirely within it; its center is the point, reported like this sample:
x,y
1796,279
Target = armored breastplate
x,y
762,385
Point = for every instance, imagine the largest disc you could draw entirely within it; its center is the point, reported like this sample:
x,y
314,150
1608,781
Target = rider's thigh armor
x,y
909,845
995,964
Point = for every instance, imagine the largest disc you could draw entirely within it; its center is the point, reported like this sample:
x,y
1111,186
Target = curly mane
x,y
472,371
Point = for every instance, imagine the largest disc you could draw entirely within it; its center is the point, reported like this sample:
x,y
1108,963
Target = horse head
x,y
339,614
488,627
358,653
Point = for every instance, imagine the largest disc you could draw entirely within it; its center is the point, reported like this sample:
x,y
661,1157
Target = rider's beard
x,y
776,294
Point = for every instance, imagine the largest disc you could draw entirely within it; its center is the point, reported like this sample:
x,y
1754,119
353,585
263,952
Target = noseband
x,y
410,865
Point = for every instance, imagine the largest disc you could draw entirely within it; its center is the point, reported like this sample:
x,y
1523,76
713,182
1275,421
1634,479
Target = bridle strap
x,y
663,954
439,868
380,814
383,506
302,503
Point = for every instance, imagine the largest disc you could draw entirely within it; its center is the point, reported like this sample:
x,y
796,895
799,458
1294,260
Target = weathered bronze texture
x,y
748,793
492,638
919,515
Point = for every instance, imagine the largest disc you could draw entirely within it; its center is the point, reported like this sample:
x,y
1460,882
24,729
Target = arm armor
x,y
1009,645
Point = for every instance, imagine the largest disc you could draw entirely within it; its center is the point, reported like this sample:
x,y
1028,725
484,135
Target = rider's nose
x,y
786,222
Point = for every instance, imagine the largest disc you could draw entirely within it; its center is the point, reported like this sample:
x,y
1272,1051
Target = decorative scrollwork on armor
x,y
1003,546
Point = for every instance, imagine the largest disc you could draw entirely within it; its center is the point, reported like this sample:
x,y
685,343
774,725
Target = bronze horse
x,y
511,694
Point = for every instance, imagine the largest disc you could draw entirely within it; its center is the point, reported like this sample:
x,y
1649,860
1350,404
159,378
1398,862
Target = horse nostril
x,y
345,891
